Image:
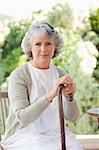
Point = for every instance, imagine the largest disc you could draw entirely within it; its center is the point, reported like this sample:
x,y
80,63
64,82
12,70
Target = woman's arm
x,y
71,110
17,92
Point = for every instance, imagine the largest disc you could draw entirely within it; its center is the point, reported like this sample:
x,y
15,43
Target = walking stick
x,y
61,116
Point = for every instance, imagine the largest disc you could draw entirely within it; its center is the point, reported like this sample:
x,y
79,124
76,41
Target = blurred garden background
x,y
79,56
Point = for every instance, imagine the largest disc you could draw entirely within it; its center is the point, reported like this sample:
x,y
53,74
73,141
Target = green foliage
x,y
13,39
8,64
92,36
91,33
94,20
11,49
58,19
87,92
11,61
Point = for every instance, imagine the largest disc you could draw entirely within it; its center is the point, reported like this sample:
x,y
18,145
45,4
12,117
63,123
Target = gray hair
x,y
44,29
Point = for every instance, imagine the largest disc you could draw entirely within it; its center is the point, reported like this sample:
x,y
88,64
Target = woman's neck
x,y
39,66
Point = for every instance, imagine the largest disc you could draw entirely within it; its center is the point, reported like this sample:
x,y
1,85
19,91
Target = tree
x,y
92,34
94,21
11,48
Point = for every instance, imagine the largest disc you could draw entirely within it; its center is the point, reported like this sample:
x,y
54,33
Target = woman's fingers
x,y
65,80
68,85
71,88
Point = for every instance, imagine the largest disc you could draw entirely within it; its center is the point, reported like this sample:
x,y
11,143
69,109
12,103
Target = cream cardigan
x,y
21,113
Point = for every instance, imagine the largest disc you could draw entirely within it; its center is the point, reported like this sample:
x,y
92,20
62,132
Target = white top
x,y
43,82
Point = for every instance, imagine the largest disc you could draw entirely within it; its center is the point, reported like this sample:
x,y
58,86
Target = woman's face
x,y
42,51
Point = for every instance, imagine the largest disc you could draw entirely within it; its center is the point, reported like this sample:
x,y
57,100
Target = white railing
x,y
89,142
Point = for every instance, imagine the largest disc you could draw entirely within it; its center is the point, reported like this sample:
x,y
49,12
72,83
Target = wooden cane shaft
x,y
61,117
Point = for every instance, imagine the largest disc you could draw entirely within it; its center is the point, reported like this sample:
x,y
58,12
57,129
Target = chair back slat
x,y
4,108
3,95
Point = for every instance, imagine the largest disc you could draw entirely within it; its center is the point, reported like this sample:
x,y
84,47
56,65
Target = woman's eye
x,y
37,44
49,43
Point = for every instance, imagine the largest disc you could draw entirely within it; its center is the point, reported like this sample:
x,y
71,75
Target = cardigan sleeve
x,y
17,92
71,110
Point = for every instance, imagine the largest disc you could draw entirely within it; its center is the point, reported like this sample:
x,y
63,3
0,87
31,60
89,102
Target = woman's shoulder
x,y
61,71
20,71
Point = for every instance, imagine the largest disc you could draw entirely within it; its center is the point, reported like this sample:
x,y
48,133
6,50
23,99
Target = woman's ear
x,y
30,53
54,53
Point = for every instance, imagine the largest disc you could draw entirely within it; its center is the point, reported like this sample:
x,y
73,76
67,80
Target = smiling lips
x,y
44,55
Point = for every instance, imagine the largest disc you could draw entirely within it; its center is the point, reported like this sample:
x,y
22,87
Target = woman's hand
x,y
68,87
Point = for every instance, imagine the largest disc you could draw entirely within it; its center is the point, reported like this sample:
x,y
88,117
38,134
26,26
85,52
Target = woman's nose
x,y
43,48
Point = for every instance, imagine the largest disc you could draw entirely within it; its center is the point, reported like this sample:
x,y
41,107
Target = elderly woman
x,y
33,121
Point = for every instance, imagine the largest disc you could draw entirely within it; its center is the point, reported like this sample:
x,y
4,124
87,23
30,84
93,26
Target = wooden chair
x,y
4,105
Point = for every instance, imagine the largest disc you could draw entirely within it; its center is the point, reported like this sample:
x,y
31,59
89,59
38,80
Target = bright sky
x,y
24,8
